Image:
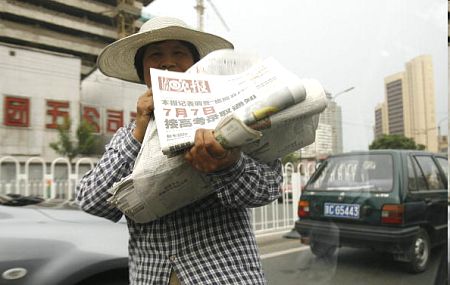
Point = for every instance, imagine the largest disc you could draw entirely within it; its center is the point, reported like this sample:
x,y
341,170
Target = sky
x,y
347,43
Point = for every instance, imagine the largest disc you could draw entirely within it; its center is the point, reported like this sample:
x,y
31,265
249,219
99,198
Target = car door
x,y
430,188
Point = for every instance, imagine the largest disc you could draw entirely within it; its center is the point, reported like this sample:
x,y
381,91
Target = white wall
x,y
104,93
39,76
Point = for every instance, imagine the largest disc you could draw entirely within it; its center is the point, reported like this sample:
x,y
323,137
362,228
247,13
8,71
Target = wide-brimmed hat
x,y
117,59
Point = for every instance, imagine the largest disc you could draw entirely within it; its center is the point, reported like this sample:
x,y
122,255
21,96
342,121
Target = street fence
x,y
58,180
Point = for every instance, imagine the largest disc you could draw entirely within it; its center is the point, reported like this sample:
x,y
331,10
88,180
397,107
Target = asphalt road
x,y
287,262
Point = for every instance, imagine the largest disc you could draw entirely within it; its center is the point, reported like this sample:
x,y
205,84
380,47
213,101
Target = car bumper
x,y
357,235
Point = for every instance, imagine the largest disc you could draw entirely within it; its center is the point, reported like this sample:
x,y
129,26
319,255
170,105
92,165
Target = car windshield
x,y
372,172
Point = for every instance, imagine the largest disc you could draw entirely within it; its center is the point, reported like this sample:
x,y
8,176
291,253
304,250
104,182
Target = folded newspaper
x,y
251,103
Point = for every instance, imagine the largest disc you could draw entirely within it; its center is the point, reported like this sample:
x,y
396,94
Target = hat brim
x,y
117,59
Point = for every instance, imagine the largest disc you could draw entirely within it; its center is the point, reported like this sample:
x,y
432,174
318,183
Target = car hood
x,y
75,228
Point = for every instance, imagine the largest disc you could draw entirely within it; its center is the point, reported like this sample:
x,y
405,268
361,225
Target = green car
x,y
388,200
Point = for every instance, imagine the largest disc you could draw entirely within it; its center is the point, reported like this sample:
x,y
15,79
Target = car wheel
x,y
321,249
419,252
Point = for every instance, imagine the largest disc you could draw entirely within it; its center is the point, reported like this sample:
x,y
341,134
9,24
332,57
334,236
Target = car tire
x,y
419,252
321,249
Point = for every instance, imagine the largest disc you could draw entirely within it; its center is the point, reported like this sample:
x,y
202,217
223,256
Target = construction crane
x,y
200,8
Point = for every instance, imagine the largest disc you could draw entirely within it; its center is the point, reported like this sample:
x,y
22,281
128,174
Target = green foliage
x,y
395,142
292,157
420,146
85,143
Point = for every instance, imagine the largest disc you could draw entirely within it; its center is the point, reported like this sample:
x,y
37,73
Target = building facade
x,y
329,137
422,105
39,90
78,27
48,53
381,121
108,103
397,108
409,105
321,147
332,116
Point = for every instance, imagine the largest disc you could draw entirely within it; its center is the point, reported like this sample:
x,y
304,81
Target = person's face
x,y
171,55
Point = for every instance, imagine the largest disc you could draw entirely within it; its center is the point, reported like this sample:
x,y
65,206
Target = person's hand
x,y
207,155
144,111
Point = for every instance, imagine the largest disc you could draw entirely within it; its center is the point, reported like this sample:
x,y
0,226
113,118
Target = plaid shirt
x,y
208,242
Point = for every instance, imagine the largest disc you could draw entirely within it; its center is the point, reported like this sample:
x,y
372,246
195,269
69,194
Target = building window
x,y
16,111
57,113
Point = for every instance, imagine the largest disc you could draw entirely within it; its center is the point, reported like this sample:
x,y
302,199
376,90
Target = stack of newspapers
x,y
251,103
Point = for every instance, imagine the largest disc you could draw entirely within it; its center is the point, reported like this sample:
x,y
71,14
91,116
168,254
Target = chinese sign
x,y
57,113
16,111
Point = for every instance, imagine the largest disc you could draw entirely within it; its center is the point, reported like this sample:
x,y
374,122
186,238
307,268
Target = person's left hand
x,y
207,155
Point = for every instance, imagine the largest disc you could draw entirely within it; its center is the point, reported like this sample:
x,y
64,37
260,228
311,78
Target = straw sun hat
x,y
117,59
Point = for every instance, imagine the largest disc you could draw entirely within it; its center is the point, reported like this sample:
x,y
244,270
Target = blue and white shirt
x,y
208,242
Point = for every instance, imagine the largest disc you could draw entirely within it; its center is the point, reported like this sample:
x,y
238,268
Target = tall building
x,y
332,116
409,106
381,121
322,146
328,134
422,115
76,27
397,104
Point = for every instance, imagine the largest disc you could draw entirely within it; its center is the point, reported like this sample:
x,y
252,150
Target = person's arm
x,y
116,163
238,180
249,183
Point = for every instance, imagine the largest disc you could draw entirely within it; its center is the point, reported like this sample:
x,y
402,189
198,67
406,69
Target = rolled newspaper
x,y
232,132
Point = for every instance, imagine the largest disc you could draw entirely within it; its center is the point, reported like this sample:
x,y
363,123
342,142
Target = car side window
x,y
444,165
412,183
430,174
421,183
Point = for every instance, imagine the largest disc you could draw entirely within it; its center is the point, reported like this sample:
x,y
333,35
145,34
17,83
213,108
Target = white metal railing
x,y
278,216
282,214
48,185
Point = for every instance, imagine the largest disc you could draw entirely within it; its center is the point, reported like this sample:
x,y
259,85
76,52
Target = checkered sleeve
x,y
116,163
249,183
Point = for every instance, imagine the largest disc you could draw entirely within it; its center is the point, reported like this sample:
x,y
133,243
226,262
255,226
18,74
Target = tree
x,y
85,143
293,157
395,142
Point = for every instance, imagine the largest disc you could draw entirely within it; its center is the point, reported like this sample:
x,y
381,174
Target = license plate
x,y
350,211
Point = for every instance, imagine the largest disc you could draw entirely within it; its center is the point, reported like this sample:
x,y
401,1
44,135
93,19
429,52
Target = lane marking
x,y
278,253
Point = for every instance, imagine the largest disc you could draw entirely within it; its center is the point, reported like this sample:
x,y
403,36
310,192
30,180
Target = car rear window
x,y
371,172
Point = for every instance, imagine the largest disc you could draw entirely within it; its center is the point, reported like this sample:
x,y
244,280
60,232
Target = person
x,y
210,241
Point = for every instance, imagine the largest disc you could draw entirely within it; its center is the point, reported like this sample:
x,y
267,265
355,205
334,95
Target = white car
x,y
50,243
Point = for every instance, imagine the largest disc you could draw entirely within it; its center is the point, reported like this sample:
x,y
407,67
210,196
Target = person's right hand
x,y
144,111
